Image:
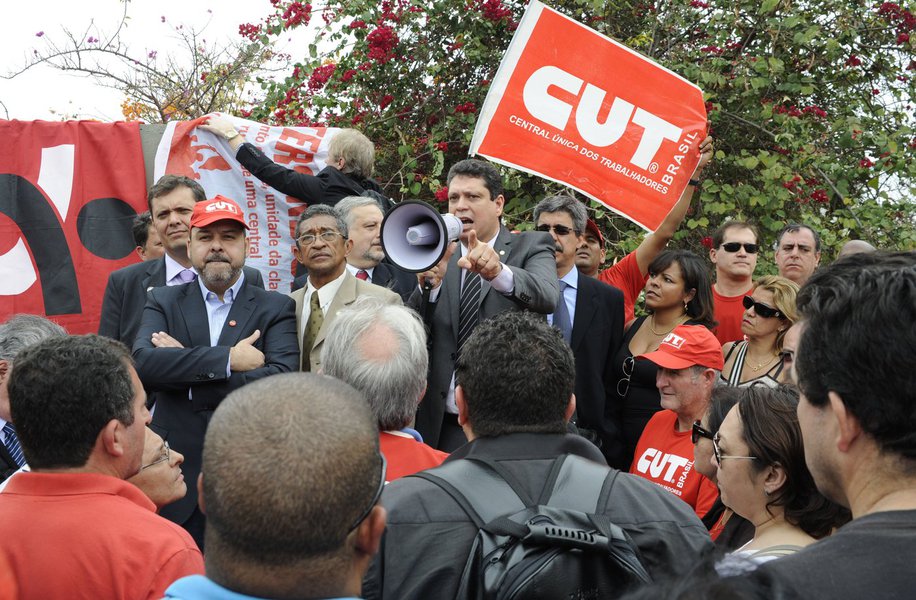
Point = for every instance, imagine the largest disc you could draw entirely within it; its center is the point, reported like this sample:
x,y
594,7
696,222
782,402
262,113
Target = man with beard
x,y
201,340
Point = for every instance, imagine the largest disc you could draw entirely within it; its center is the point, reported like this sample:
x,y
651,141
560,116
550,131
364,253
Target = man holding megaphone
x,y
490,271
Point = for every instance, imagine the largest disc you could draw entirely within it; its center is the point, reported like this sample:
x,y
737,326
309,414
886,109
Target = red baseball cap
x,y
686,346
593,227
218,208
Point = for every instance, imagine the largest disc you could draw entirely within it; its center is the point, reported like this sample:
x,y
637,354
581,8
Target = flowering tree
x,y
811,102
193,78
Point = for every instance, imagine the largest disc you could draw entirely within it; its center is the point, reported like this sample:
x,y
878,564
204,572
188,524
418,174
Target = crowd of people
x,y
359,438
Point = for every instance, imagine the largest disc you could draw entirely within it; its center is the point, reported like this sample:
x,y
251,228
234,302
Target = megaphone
x,y
415,236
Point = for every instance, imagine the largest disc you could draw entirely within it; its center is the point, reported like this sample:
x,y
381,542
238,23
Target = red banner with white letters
x,y
68,195
576,107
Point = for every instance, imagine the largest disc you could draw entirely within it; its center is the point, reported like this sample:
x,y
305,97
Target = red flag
x,y
574,106
68,195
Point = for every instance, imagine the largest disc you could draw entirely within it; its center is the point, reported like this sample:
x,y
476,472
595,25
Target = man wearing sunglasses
x,y
322,247
734,253
293,513
590,317
689,361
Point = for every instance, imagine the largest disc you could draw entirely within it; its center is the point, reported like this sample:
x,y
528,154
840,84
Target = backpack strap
x,y
579,483
478,488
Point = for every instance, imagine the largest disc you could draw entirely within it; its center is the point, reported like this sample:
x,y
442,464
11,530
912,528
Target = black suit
x,y
384,274
530,256
171,372
125,297
597,333
8,466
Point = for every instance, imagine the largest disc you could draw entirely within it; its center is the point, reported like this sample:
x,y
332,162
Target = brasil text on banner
x,y
69,193
576,107
271,215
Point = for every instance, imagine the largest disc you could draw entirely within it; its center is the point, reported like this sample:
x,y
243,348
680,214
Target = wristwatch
x,y
230,134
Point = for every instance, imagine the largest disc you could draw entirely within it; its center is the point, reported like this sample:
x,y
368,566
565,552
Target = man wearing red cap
x,y
630,273
689,361
201,340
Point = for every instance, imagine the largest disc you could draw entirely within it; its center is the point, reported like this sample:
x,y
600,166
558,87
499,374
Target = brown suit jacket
x,y
350,289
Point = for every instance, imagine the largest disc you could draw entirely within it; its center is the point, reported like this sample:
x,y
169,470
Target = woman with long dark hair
x,y
760,464
678,291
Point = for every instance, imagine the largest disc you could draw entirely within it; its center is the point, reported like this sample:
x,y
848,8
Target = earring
x,y
766,492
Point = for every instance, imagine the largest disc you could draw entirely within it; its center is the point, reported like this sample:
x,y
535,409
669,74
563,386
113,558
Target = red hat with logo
x,y
687,346
593,228
218,208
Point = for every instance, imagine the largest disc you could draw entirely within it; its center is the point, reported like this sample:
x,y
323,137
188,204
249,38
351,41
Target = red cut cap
x,y
218,208
593,227
686,346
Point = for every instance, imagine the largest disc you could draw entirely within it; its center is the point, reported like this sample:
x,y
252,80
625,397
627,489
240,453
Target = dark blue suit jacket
x,y
596,335
201,368
125,297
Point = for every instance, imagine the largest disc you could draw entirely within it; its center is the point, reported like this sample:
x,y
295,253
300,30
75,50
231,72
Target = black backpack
x,y
551,547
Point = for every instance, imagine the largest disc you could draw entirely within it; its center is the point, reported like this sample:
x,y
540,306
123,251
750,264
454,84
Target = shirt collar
x,y
464,249
173,268
572,278
354,270
327,292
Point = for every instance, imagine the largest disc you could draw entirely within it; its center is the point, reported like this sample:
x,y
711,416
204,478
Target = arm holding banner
x,y
655,242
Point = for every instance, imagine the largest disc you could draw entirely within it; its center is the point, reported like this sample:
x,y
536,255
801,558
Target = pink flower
x,y
39,34
442,194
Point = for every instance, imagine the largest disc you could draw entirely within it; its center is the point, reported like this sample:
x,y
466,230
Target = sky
x,y
47,93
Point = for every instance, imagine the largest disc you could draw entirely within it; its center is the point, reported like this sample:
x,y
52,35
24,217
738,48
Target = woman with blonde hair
x,y
769,312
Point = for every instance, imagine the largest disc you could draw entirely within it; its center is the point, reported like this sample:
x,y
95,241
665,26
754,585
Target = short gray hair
x,y
356,149
567,204
21,331
394,378
347,205
316,210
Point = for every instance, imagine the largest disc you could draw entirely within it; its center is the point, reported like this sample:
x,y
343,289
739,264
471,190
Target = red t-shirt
x,y
625,276
406,456
92,536
664,456
728,311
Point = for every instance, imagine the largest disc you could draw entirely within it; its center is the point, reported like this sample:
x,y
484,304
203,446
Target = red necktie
x,y
362,275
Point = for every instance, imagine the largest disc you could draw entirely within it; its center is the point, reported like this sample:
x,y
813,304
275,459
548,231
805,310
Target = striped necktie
x,y
468,307
12,444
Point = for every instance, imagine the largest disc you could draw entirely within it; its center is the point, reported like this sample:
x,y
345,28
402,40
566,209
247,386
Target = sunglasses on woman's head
x,y
762,310
735,246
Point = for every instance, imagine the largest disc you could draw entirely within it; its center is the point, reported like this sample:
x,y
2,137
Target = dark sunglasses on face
x,y
735,246
762,310
698,432
558,229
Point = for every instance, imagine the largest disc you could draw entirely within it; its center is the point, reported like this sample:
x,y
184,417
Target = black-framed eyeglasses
x,y
558,229
166,455
717,452
375,498
629,364
307,239
761,309
786,357
698,432
735,246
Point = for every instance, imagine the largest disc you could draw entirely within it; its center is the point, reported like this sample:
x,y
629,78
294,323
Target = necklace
x,y
763,364
680,320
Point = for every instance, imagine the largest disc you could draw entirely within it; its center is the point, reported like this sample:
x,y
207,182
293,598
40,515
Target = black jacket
x,y
426,544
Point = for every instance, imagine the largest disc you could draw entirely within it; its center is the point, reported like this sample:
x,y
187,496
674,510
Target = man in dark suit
x,y
590,318
171,201
366,260
201,340
16,334
492,271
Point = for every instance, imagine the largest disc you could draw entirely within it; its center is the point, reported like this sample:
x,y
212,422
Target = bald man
x,y
292,513
855,247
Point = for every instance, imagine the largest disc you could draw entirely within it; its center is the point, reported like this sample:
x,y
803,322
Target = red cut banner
x,y
574,106
68,194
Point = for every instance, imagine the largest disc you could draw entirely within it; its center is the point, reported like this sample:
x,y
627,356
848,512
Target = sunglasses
x,y
735,246
762,310
375,498
698,432
717,452
558,229
623,386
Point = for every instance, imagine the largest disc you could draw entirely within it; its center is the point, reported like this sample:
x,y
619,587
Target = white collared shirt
x,y
172,270
354,270
569,294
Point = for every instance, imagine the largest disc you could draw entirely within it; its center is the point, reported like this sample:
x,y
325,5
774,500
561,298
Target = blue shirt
x,y
198,587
